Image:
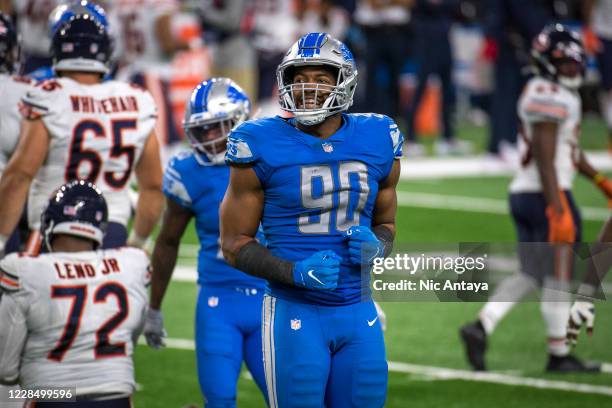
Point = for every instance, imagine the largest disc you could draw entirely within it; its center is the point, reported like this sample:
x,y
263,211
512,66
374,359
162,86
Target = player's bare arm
x,y
544,146
151,199
240,212
175,221
385,206
29,156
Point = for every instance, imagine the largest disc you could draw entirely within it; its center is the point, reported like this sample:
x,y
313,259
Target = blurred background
x,y
448,71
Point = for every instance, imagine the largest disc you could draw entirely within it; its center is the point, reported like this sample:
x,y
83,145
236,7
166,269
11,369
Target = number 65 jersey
x,y
71,319
96,133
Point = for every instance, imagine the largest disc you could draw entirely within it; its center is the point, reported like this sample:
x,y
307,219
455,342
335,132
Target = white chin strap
x,y
571,82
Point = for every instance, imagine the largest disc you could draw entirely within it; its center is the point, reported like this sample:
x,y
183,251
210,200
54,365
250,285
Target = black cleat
x,y
571,364
475,341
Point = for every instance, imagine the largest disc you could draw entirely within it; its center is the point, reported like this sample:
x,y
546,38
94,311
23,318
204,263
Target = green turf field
x,y
419,333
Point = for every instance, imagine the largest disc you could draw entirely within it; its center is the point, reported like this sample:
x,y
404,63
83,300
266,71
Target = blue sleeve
x,y
174,186
397,139
242,148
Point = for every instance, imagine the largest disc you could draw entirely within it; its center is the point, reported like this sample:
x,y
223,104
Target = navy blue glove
x,y
319,271
364,246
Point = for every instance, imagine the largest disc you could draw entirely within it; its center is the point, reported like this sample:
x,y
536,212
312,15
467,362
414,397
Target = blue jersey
x,y
315,189
200,189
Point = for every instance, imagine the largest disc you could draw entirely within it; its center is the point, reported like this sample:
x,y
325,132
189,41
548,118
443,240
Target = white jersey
x,y
140,48
75,319
96,133
33,24
545,101
13,89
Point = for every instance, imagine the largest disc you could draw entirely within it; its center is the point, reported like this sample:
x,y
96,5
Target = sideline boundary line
x,y
442,373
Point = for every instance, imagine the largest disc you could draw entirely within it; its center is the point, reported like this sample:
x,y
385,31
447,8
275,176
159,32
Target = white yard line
x,y
441,373
478,204
476,166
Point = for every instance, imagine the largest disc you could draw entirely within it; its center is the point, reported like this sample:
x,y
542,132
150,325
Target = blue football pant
x,y
228,331
323,356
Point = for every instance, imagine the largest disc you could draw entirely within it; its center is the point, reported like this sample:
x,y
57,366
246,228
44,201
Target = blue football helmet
x,y
62,13
215,107
9,45
77,208
555,45
317,49
81,44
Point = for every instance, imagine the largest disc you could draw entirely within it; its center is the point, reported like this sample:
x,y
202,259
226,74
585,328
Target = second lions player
x,y
71,317
228,316
78,127
322,185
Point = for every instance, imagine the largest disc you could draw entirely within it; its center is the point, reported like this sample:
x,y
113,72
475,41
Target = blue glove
x,y
319,271
364,246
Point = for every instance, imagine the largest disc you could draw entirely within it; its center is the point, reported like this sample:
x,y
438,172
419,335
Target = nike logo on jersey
x,y
314,277
371,322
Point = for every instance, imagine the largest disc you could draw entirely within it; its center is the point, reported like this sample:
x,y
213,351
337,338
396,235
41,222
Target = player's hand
x,y
364,246
320,271
154,330
605,185
561,228
582,312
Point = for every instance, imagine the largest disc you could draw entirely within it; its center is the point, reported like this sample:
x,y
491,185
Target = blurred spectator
x,y
598,41
509,27
322,16
432,21
385,24
32,25
147,44
227,24
275,30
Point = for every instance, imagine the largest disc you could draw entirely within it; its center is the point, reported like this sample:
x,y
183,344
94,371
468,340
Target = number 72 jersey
x,y
96,133
70,319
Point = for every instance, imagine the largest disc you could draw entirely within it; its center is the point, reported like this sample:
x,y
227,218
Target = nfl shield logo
x,y
213,301
327,147
296,324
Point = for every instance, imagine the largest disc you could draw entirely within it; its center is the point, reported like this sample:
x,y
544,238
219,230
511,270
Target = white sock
x,y
555,307
507,293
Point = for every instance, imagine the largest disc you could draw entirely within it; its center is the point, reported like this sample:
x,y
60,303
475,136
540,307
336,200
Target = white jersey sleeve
x,y
13,330
96,132
13,89
545,101
82,312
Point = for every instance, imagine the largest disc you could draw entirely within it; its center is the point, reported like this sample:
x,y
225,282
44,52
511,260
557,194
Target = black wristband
x,y
256,260
384,235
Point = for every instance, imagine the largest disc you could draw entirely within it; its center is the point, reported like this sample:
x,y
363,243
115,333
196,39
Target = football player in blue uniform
x,y
228,316
323,186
